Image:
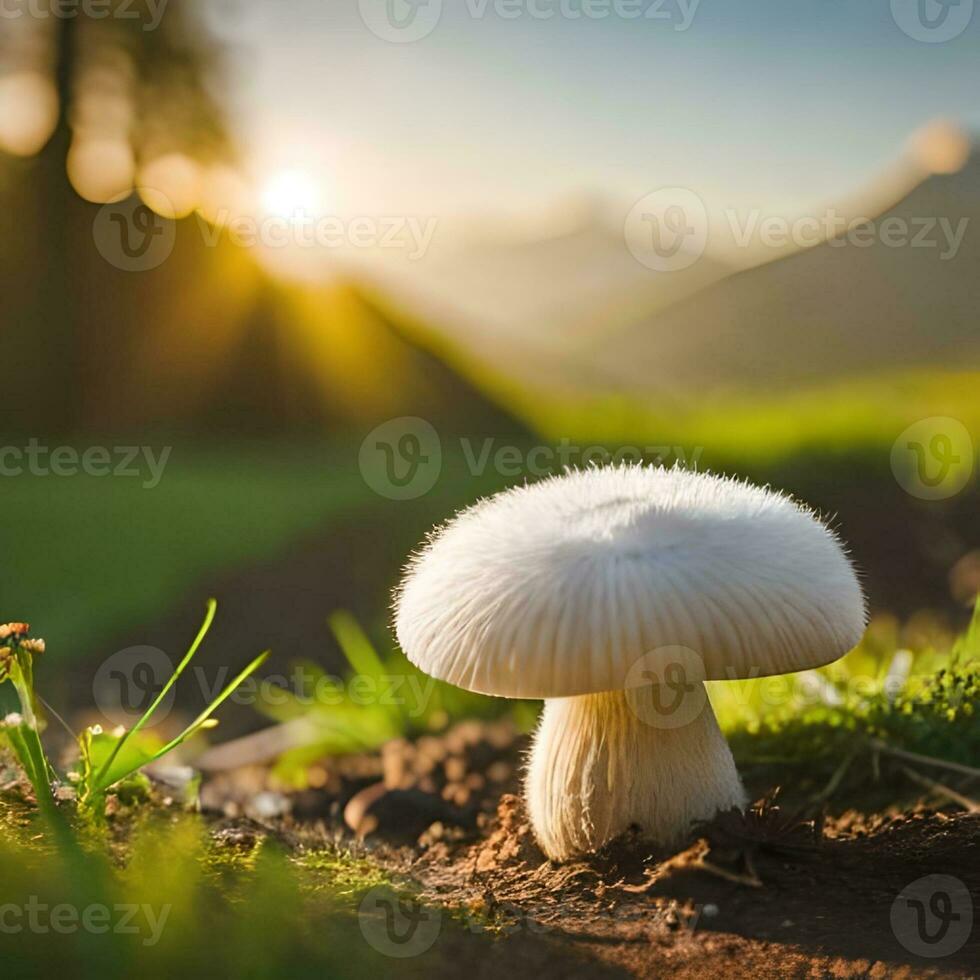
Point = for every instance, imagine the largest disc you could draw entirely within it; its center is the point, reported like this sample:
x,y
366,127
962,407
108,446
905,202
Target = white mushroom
x,y
613,594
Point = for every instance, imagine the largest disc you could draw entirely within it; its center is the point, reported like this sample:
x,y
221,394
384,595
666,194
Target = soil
x,y
775,892
748,898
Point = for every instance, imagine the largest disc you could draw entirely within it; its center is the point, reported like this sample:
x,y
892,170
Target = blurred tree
x,y
114,87
105,94
204,341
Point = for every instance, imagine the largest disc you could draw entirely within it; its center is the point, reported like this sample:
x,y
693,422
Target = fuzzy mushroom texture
x,y
614,593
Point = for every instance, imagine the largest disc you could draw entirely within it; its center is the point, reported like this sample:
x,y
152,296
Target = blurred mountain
x,y
839,309
525,305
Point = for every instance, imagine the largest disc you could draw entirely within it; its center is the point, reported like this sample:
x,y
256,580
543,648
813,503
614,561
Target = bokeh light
x,y
941,147
171,185
224,194
28,112
101,169
291,192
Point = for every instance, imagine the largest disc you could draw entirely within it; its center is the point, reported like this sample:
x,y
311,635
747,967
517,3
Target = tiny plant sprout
x,y
613,594
103,763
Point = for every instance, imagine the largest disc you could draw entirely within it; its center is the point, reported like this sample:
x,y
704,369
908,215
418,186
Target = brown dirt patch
x,y
752,896
779,891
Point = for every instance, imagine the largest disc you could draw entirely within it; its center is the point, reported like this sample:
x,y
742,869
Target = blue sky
x,y
770,102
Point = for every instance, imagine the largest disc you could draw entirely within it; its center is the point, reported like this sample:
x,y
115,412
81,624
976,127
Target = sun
x,y
291,193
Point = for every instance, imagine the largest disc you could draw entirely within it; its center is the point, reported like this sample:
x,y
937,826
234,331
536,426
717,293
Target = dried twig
x,y
835,779
750,878
924,759
964,801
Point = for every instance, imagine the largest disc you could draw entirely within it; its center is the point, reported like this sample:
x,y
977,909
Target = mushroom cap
x,y
560,588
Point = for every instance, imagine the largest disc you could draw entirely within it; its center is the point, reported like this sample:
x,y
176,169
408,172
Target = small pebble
x,y
268,806
499,772
455,769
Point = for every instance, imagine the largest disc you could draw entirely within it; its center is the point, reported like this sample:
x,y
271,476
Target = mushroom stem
x,y
603,762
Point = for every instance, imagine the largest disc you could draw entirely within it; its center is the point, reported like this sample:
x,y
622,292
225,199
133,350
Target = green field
x,y
87,556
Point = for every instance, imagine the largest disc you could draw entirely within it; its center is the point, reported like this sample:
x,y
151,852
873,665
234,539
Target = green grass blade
x,y
364,659
27,742
356,646
201,633
967,646
26,757
103,782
